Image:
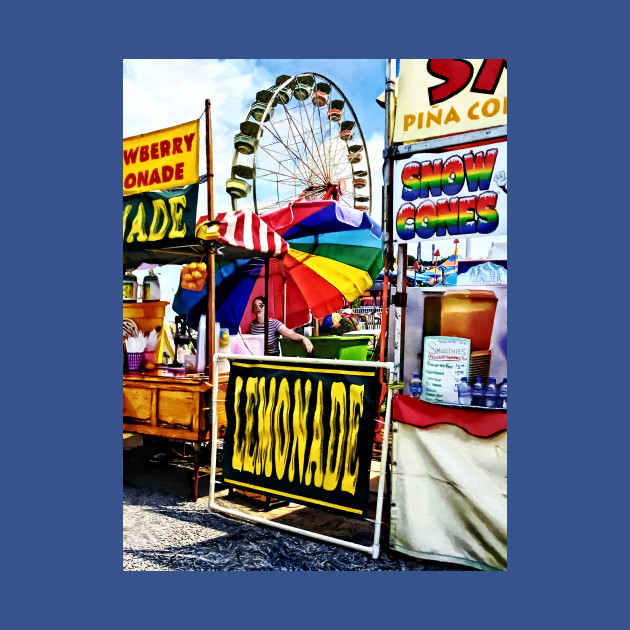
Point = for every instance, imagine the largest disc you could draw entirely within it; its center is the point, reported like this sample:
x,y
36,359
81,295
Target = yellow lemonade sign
x,y
160,160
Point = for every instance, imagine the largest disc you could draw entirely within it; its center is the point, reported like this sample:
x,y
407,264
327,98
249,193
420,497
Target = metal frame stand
x,y
373,549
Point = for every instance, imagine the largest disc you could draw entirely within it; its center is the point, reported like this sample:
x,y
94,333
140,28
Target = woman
x,y
276,328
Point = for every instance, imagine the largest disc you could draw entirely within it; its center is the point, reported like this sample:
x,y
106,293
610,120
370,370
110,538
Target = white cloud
x,y
160,93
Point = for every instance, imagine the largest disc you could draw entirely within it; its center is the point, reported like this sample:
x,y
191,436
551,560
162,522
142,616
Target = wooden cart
x,y
162,404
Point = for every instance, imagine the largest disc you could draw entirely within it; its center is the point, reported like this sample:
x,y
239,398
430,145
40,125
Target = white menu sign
x,y
444,362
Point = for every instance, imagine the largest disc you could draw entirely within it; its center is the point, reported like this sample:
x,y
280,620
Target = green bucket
x,y
347,348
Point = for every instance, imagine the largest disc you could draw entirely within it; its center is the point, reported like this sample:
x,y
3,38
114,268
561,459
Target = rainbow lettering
x,y
419,179
456,216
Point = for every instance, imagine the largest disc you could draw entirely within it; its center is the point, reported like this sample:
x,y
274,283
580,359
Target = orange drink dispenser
x,y
468,314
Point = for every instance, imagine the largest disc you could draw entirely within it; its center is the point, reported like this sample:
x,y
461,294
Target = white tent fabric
x,y
449,496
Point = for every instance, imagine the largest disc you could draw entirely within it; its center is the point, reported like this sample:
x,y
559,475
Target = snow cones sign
x,y
160,160
451,194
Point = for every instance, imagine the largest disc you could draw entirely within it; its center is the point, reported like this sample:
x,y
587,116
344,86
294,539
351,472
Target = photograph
x,y
315,314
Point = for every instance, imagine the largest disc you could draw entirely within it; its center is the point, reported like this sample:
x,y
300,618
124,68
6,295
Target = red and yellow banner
x,y
160,160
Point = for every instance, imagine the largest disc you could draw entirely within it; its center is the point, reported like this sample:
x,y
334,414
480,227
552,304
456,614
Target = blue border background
x,y
62,310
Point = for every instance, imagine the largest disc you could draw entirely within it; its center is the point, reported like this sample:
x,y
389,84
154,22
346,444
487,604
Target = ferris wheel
x,y
300,141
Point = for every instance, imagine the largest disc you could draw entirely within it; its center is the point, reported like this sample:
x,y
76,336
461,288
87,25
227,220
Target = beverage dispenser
x,y
468,314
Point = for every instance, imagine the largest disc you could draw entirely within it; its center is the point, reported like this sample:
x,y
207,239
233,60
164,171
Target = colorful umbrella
x,y
237,235
335,253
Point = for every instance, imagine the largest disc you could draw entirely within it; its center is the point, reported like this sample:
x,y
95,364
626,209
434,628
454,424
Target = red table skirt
x,y
477,422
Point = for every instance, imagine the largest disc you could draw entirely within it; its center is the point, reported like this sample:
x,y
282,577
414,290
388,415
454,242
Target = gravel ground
x,y
164,530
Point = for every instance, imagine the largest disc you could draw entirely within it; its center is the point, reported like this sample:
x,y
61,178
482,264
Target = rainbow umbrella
x,y
334,255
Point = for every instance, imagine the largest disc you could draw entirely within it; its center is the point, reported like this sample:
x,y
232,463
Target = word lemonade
x,y
160,160
156,150
280,440
165,222
459,215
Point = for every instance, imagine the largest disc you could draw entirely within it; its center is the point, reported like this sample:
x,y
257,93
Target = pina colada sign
x,y
438,97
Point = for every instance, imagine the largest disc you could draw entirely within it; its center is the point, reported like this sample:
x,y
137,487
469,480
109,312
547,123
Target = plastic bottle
x,y
464,392
502,395
491,392
130,287
415,386
478,393
150,288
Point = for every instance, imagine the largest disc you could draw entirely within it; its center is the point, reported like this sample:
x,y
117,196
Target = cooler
x,y
350,348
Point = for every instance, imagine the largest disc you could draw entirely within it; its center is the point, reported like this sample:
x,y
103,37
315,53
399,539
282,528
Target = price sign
x,y
444,362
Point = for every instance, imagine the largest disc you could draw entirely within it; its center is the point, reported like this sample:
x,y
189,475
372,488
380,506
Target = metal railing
x,y
368,316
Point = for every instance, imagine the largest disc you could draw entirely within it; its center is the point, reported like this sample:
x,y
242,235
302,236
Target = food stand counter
x,y
177,407
449,483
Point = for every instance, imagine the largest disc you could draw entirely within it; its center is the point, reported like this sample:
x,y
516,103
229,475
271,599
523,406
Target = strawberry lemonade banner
x,y
456,193
160,160
302,433
438,97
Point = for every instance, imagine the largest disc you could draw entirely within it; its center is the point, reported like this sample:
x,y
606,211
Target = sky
x,y
161,93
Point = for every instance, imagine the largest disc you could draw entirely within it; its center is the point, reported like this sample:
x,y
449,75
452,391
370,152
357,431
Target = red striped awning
x,y
243,231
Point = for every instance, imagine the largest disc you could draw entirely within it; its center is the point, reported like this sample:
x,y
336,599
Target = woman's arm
x,y
291,334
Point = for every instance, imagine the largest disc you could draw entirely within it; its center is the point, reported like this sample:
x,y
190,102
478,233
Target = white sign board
x,y
438,97
442,196
444,363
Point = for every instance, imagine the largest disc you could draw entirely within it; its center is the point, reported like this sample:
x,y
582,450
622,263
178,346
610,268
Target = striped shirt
x,y
274,336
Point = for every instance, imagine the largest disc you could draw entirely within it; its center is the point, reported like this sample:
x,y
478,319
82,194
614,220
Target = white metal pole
x,y
213,460
389,101
389,365
374,549
381,478
294,530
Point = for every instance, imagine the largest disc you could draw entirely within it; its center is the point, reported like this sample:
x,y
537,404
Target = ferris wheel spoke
x,y
320,146
287,144
302,154
296,159
308,133
280,178
289,172
279,203
313,136
297,155
268,177
320,175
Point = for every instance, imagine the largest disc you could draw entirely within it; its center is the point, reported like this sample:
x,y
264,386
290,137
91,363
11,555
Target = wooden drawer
x,y
171,407
138,404
177,409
